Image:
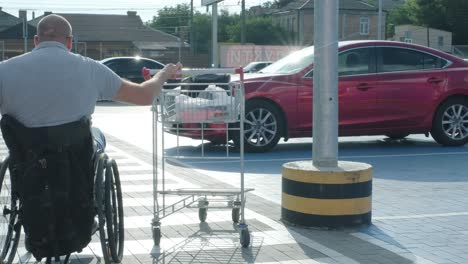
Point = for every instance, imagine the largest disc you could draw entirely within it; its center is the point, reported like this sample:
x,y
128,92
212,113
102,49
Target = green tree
x,y
282,3
171,19
225,21
268,5
404,14
449,15
261,31
202,33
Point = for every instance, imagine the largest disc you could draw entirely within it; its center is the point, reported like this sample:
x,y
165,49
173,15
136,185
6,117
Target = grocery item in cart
x,y
212,104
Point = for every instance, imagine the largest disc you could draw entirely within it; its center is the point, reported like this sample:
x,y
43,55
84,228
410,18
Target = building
x,y
101,36
14,39
7,20
431,37
357,20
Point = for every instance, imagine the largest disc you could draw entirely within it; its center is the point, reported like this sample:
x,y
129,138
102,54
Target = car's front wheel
x,y
450,125
262,127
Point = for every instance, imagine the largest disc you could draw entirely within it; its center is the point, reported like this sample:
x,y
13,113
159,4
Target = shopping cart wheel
x,y
235,215
202,214
245,237
157,235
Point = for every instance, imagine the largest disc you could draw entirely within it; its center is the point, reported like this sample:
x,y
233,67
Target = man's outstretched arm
x,y
144,93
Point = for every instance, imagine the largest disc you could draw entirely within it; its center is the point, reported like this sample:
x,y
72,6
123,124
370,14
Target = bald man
x,y
51,86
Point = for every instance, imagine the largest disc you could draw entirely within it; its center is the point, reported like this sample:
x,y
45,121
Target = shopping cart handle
x,y
147,73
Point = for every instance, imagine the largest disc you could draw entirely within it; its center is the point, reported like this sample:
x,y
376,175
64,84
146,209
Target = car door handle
x,y
363,86
434,80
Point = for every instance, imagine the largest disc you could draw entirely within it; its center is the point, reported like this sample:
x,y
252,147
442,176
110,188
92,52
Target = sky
x,y
145,8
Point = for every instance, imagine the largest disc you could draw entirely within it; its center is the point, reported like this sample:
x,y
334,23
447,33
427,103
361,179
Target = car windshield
x,y
292,63
250,66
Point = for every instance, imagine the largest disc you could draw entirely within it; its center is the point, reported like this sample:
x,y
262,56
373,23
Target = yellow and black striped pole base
x,y
327,197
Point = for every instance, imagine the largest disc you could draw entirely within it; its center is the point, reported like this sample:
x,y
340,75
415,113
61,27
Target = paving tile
x,y
419,219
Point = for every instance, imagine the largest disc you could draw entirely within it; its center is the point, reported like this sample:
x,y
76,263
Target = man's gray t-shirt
x,y
52,86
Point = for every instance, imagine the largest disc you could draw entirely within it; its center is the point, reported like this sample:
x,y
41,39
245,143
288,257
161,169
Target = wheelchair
x,y
107,200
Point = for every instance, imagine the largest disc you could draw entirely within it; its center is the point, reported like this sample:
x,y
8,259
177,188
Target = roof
x,y
99,27
343,4
16,32
7,20
420,28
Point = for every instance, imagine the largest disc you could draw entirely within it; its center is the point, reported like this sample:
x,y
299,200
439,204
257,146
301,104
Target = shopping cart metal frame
x,y
235,198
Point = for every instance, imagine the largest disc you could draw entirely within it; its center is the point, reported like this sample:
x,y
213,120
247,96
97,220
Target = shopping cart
x,y
181,111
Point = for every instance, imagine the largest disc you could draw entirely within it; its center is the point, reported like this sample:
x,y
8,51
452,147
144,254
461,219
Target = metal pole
x,y
428,36
380,21
25,33
75,43
192,42
325,101
214,34
3,49
243,23
100,50
180,43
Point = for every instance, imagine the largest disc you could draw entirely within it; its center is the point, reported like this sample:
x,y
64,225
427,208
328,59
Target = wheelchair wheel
x,y
100,206
10,228
114,211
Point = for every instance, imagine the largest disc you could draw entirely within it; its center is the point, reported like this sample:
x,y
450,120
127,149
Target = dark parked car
x,y
385,88
256,66
130,67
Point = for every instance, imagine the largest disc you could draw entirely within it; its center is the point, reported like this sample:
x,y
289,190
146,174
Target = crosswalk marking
x,y
141,195
208,241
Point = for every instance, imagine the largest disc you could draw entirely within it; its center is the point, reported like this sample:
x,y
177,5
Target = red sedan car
x,y
385,88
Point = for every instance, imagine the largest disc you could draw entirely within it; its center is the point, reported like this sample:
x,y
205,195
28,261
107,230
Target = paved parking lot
x,y
420,212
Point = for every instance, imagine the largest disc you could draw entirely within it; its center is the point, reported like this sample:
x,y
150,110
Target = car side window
x,y
433,62
400,59
152,65
356,61
135,65
117,66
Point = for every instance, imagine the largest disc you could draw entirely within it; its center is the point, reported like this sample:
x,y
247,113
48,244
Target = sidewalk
x,y
421,236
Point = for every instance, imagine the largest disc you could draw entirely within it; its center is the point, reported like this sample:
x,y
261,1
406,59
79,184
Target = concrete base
x,y
331,197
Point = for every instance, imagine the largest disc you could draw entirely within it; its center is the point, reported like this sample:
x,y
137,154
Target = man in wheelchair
x,y
60,176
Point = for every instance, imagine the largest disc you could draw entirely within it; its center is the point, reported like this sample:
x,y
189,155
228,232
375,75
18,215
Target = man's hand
x,y
143,94
170,71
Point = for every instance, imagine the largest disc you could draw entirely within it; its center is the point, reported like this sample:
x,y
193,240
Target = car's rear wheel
x,y
450,124
262,127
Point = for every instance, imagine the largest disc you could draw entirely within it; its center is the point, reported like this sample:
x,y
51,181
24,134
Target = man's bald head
x,y
53,28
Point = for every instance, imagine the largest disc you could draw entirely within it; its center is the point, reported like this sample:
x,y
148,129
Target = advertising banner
x,y
241,55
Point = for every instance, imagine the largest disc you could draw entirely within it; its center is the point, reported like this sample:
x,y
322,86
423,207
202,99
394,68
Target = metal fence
x,y
461,51
80,48
2,50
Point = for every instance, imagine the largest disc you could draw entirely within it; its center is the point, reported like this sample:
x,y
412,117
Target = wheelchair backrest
x,y
51,170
